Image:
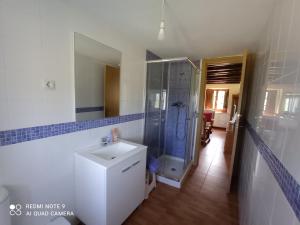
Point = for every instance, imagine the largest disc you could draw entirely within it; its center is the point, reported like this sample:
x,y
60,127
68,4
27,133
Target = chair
x,y
207,126
209,119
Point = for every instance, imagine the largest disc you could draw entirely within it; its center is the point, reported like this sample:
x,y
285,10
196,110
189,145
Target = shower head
x,y
178,104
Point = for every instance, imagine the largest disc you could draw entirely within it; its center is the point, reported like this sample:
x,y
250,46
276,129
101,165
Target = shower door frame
x,y
193,115
167,106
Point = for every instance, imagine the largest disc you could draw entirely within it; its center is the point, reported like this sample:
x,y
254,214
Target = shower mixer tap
x,y
178,104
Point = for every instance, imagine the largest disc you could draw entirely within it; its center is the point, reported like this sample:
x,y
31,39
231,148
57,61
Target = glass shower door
x,y
154,115
169,115
191,125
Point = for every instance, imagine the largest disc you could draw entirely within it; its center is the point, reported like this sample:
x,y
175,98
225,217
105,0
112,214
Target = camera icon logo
x,y
15,210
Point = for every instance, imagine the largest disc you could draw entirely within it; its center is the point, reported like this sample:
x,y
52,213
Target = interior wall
x,y
269,180
37,44
89,86
222,118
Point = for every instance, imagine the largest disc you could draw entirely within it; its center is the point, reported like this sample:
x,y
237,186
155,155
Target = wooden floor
x,y
202,200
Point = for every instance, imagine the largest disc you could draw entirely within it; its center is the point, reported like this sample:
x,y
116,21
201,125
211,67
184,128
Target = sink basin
x,y
113,151
111,154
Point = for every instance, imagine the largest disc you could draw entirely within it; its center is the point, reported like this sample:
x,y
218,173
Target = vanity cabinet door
x,y
125,188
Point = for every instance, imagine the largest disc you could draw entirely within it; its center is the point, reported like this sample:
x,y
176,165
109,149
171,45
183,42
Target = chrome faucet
x,y
106,140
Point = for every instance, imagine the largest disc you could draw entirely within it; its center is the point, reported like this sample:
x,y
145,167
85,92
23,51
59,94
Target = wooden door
x,y
239,124
112,91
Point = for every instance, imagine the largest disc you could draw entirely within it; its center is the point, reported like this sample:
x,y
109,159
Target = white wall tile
x,y
276,68
282,212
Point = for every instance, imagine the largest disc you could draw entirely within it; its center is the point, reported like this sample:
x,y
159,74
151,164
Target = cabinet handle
x,y
129,167
134,164
126,169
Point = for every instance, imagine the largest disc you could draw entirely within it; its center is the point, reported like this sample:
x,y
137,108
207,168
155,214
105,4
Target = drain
x,y
113,157
173,169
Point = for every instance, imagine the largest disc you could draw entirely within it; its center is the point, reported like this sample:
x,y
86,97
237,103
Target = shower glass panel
x,y
170,115
154,129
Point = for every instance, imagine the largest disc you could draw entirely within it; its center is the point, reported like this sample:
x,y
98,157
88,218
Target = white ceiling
x,y
194,28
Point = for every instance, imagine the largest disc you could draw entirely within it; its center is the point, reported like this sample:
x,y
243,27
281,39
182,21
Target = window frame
x,y
210,104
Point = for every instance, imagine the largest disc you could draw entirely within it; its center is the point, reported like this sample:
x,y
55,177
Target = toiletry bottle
x,y
114,133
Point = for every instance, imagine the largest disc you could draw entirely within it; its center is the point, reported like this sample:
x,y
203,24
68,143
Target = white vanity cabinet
x,y
108,189
125,188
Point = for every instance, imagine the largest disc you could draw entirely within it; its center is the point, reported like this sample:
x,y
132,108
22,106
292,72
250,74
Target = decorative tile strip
x,y
286,181
10,137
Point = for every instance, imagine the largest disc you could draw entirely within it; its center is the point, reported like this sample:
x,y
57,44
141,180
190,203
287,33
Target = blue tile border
x,y
89,109
10,137
285,180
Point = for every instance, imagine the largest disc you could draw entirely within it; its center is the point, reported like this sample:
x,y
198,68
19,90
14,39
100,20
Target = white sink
x,y
109,182
113,151
111,154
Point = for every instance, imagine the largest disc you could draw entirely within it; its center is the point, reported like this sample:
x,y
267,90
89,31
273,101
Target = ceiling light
x,y
162,27
161,33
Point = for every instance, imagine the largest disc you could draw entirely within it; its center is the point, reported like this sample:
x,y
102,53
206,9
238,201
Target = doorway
x,y
221,105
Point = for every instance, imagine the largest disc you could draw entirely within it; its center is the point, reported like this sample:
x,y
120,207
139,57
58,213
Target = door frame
x,y
203,70
240,121
240,58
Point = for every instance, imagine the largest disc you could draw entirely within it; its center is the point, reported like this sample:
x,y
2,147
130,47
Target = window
x,y
291,103
157,101
161,98
269,107
265,101
216,99
164,99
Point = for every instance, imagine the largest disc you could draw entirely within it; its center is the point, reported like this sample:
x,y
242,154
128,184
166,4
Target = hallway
x,y
203,198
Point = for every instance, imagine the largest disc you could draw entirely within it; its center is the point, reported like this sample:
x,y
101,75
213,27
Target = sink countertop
x,y
89,153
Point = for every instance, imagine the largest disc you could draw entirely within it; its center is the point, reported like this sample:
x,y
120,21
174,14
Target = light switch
x,y
50,84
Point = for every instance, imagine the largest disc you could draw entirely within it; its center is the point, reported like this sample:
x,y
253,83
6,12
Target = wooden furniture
x,y
207,127
229,137
209,118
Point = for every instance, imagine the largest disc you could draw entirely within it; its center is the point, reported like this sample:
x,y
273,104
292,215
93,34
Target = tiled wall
x,y
10,137
154,116
160,129
179,91
270,177
38,134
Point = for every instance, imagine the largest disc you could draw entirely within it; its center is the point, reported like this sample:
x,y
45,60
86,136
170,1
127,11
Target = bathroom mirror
x,y
97,79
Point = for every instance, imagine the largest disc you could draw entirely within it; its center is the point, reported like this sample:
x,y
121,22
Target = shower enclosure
x,y
170,116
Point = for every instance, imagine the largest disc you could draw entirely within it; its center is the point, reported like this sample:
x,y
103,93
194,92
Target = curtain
x,y
211,103
209,98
